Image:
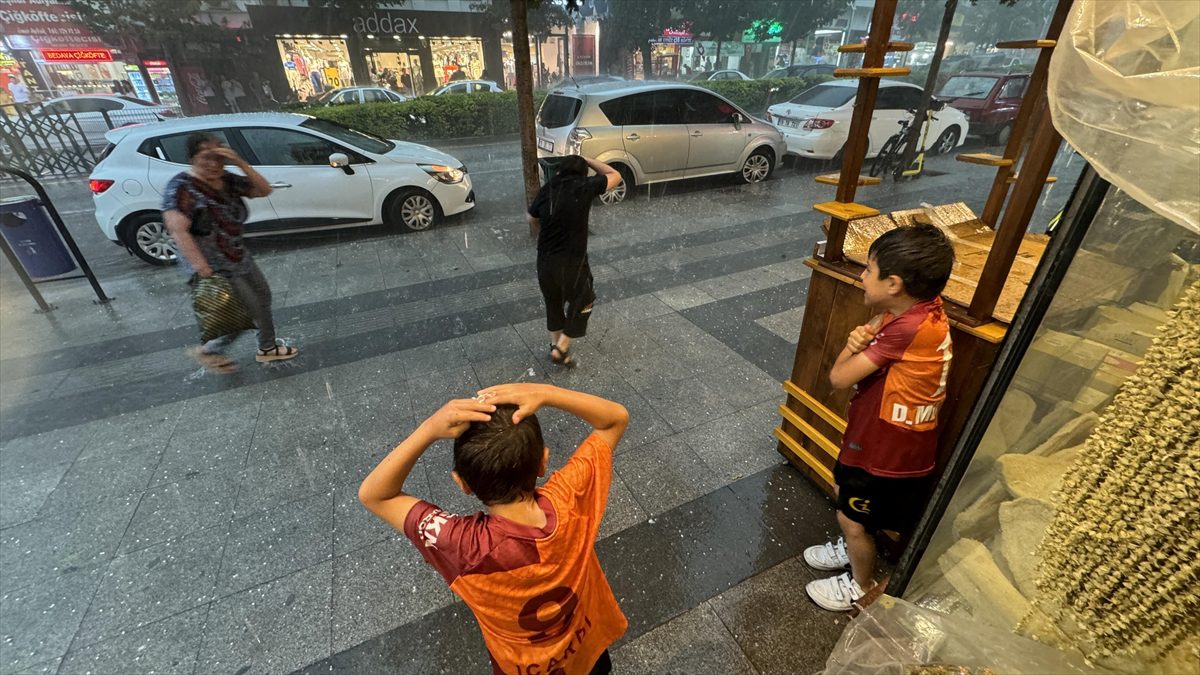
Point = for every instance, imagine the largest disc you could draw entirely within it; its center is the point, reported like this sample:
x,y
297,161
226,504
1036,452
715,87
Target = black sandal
x,y
277,353
564,359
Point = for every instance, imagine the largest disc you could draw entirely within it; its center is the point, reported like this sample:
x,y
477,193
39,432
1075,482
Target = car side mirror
x,y
737,121
340,160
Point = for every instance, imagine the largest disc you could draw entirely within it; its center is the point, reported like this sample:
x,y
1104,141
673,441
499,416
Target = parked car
x,y
467,87
99,113
325,176
583,80
717,75
345,95
816,123
656,131
801,70
990,101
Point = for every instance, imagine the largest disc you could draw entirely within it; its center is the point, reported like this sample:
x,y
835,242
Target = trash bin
x,y
548,166
27,228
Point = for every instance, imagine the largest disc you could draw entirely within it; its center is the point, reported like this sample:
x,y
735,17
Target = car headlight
x,y
443,173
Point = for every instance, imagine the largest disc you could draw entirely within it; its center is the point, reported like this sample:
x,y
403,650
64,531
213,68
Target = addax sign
x,y
388,24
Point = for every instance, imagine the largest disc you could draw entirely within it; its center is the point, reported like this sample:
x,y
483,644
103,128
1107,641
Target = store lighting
x,y
370,37
343,36
287,35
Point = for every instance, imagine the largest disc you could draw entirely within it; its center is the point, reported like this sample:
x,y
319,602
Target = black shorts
x,y
879,503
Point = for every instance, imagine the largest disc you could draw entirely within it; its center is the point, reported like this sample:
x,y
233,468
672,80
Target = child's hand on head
x,y
526,396
452,419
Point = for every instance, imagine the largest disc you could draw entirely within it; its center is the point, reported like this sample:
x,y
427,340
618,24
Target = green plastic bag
x,y
218,311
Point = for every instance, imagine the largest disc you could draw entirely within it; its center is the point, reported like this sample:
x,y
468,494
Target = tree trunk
x,y
717,58
566,71
520,31
647,69
935,64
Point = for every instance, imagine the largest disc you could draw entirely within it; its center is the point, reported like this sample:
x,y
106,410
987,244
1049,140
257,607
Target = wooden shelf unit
x,y
984,159
1027,44
871,72
845,210
861,47
834,178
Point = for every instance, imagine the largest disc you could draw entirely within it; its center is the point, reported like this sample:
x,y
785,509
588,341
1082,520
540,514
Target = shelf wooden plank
x,y
871,72
801,454
860,47
835,178
845,210
831,418
1049,179
983,158
1027,44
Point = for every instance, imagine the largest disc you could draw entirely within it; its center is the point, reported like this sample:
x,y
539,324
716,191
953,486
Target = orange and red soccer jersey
x,y
541,599
891,429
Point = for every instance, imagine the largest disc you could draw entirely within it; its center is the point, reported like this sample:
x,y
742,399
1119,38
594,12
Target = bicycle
x,y
892,153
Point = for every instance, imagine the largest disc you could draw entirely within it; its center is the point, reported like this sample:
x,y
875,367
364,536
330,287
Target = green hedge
x,y
492,114
755,95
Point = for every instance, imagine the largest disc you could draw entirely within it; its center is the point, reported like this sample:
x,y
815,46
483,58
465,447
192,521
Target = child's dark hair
x,y
499,460
920,255
196,142
572,166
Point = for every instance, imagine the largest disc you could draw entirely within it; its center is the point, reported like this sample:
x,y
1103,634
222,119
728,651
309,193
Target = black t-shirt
x,y
562,206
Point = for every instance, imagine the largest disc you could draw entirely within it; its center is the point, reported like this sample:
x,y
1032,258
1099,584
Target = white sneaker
x,y
829,556
836,594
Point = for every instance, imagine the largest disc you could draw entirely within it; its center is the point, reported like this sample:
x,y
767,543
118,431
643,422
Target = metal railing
x,y
43,144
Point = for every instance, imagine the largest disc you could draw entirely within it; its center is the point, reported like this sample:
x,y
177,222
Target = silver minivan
x,y
656,131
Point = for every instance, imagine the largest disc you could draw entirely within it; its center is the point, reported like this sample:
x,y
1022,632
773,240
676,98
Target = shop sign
x,y
388,24
583,54
673,36
154,63
77,55
44,24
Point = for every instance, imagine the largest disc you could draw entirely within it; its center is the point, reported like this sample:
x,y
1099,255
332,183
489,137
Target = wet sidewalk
x,y
156,518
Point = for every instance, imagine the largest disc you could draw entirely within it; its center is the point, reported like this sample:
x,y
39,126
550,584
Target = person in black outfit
x,y
561,211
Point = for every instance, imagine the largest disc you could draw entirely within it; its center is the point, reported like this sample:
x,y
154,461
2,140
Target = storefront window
x,y
457,59
68,79
164,84
315,65
388,69
1001,553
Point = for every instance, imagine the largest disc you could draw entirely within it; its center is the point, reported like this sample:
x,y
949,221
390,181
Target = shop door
x,y
307,191
716,142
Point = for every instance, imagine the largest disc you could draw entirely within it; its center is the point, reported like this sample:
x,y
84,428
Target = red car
x,y
989,100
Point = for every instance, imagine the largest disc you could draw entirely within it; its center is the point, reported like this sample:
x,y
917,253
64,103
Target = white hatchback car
x,y
324,176
816,123
97,114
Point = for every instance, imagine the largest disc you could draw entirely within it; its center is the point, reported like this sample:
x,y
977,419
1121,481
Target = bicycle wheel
x,y
897,167
886,157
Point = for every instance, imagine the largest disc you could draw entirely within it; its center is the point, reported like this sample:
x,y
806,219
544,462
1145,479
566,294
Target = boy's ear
x,y
545,462
462,484
895,285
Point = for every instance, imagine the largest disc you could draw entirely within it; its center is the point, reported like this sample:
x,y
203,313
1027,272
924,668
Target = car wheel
x,y
623,191
1001,137
946,142
757,167
147,237
414,209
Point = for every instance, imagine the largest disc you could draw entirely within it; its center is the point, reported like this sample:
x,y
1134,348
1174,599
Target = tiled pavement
x,y
153,518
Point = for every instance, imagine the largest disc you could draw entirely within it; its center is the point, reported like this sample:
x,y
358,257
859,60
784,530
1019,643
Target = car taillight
x,y
576,138
817,123
99,185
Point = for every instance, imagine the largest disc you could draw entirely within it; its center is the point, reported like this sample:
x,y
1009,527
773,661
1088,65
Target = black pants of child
x,y
566,284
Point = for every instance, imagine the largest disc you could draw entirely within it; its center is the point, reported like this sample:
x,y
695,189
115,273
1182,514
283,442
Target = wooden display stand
x,y
989,279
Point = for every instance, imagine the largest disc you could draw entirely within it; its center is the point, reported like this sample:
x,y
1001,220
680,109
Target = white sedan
x,y
99,113
468,87
816,123
324,176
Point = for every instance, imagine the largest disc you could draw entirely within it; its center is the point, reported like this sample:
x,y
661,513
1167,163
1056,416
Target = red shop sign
x,y
154,63
77,55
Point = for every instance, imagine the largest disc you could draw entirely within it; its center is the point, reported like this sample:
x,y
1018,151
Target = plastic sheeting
x,y
1124,91
894,637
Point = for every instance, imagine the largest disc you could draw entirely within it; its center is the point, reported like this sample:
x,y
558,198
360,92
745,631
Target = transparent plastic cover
x,y
1124,90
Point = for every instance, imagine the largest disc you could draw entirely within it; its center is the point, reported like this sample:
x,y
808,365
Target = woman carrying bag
x,y
204,212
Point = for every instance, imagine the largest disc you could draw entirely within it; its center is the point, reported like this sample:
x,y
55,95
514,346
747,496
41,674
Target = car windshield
x,y
825,96
558,111
327,96
778,72
703,75
359,139
967,87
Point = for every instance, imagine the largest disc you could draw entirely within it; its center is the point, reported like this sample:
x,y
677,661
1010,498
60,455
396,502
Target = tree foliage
x,y
543,18
980,22
630,25
140,22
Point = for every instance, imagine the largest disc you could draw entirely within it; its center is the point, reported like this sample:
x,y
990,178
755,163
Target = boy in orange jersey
x,y
899,362
527,567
